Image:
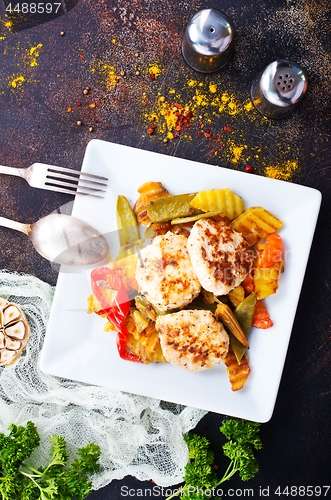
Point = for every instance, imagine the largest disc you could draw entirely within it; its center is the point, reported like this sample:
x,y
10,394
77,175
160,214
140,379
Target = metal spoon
x,y
63,239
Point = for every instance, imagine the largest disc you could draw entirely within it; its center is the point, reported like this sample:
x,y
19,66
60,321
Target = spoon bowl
x,y
64,239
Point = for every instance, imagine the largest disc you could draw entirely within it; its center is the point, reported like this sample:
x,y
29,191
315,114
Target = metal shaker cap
x,y
208,41
278,90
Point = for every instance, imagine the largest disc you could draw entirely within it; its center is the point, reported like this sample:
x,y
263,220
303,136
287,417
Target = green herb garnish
x,y
19,481
200,475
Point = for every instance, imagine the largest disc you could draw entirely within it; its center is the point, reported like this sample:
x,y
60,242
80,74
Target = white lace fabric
x,y
138,436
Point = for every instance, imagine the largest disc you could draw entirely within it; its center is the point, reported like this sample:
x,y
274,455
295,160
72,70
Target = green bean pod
x,y
128,231
172,207
244,313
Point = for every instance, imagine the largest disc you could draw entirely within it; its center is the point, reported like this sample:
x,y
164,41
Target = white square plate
x,y
76,347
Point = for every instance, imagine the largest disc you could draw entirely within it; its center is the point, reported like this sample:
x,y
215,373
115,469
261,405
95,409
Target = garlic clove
x,y
10,314
6,356
13,345
2,340
16,331
3,303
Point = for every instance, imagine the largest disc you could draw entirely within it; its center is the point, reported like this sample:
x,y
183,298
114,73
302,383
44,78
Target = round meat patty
x,y
166,276
192,339
219,255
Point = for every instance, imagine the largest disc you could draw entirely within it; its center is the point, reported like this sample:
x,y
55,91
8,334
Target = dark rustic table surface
x,y
46,62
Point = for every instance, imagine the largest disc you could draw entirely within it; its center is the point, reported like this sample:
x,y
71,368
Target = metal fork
x,y
60,179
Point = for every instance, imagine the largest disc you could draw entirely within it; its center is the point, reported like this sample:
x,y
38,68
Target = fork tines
x,y
75,182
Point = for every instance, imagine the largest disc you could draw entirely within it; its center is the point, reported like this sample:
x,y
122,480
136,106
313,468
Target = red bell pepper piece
x,y
261,317
272,251
117,310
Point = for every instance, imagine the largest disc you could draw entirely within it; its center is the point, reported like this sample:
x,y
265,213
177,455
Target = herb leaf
x,y
200,475
56,481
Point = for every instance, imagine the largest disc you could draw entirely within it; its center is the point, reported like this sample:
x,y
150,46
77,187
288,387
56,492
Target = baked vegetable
x,y
224,313
194,218
126,222
116,310
270,252
244,314
143,338
219,201
149,191
255,224
237,295
237,371
261,316
266,279
172,207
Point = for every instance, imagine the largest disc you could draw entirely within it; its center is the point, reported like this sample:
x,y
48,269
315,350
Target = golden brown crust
x,y
219,255
237,372
192,339
166,277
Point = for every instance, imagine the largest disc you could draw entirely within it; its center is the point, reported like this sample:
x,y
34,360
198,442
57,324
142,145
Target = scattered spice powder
x,y
26,59
282,171
154,71
105,74
209,112
16,82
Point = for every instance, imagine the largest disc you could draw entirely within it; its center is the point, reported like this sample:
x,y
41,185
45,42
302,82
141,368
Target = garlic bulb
x,y
14,332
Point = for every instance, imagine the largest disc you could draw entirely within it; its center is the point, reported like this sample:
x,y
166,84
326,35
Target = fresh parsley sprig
x,y
19,481
200,475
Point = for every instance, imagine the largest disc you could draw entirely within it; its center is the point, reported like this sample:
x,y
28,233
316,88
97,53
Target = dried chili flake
x,y
81,55
151,76
151,130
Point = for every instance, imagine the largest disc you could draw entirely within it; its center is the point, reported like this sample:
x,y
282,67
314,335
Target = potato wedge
x,y
237,372
237,295
219,201
266,279
255,224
